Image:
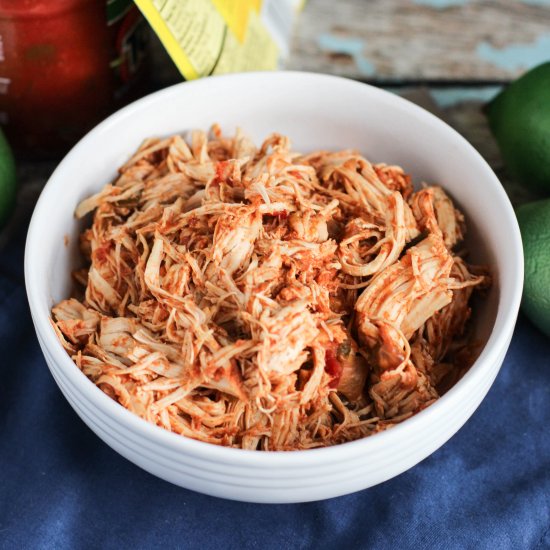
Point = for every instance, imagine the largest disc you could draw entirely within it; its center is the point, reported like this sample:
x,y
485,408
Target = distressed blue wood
x,y
517,56
543,3
450,97
440,4
414,40
347,46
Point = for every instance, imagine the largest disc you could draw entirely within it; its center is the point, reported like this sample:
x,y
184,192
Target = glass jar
x,y
64,65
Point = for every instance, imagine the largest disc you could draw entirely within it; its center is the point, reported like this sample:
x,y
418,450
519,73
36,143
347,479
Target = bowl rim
x,y
507,309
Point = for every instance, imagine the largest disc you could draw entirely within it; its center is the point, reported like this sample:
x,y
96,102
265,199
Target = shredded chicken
x,y
262,299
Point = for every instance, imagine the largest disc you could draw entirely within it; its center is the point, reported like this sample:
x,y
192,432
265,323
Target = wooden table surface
x,y
453,42
450,56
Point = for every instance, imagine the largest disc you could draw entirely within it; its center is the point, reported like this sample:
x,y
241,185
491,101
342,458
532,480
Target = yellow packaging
x,y
205,37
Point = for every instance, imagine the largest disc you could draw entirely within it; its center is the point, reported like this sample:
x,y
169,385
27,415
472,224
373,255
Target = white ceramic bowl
x,y
316,111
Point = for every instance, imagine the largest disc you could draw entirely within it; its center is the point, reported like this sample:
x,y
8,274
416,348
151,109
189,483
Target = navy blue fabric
x,y
61,487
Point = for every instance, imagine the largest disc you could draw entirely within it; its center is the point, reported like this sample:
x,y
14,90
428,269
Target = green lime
x,y
7,180
534,223
519,118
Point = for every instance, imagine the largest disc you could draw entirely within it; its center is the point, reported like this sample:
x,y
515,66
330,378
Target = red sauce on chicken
x,y
333,367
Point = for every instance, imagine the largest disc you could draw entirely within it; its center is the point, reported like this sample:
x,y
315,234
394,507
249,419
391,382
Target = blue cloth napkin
x,y
62,487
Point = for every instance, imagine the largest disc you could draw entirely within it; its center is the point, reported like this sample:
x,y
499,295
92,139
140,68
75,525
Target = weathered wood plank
x,y
400,40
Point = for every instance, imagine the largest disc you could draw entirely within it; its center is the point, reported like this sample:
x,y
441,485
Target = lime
x,y
534,223
519,118
7,180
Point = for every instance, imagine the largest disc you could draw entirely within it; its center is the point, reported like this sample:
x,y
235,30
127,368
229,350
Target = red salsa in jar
x,y
64,65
